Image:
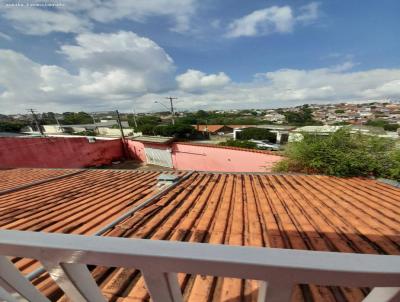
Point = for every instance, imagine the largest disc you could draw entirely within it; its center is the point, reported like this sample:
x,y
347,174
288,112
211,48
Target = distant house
x,y
214,129
296,135
103,128
275,117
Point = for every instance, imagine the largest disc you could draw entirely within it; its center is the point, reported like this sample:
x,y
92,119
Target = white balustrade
x,y
65,258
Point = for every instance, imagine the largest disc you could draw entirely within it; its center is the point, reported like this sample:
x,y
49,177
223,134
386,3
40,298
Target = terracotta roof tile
x,y
283,211
209,128
11,178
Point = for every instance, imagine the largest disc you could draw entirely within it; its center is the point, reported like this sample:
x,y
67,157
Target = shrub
x,y
146,129
239,143
391,127
258,134
342,154
12,126
178,130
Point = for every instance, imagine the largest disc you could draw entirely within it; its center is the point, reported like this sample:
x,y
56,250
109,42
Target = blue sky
x,y
97,55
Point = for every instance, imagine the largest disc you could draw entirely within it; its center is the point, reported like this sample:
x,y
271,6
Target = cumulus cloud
x,y
120,62
35,21
274,19
262,22
119,69
77,16
197,81
112,68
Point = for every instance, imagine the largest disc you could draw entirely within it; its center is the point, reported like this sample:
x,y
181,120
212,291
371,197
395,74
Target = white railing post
x,y
15,280
6,296
162,287
383,294
65,257
75,280
275,291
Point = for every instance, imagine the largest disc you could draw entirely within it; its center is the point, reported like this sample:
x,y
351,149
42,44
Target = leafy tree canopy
x,y
383,124
144,120
48,118
258,134
342,154
76,118
12,126
301,118
239,143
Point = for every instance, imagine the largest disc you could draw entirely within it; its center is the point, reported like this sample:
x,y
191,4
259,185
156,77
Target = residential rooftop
x,y
306,212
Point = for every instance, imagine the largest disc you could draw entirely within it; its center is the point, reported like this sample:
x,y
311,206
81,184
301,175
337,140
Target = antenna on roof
x,y
32,111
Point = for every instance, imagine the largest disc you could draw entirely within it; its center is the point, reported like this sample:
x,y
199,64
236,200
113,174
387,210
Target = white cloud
x,y
274,19
4,36
309,12
35,21
262,22
196,81
78,16
117,70
112,68
120,62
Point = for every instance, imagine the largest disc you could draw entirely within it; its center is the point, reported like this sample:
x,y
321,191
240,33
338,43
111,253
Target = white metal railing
x,y
65,258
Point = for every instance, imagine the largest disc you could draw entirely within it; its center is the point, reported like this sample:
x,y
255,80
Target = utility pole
x,y
120,126
94,121
36,120
58,123
171,100
125,147
134,117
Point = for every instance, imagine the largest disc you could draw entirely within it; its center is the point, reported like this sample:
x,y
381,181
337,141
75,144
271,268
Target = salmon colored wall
x,y
136,150
208,158
58,152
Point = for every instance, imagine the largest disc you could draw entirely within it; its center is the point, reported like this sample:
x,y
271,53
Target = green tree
x,y
258,134
12,126
376,123
144,120
391,127
342,154
303,117
341,123
76,118
147,129
382,124
178,130
48,118
239,143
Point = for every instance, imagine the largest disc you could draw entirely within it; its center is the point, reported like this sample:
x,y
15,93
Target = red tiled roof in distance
x,y
209,128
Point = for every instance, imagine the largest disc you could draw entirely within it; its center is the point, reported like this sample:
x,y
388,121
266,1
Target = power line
x,y
171,109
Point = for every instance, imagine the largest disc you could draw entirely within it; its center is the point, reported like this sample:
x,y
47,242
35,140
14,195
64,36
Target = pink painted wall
x,y
58,152
209,158
136,150
198,157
